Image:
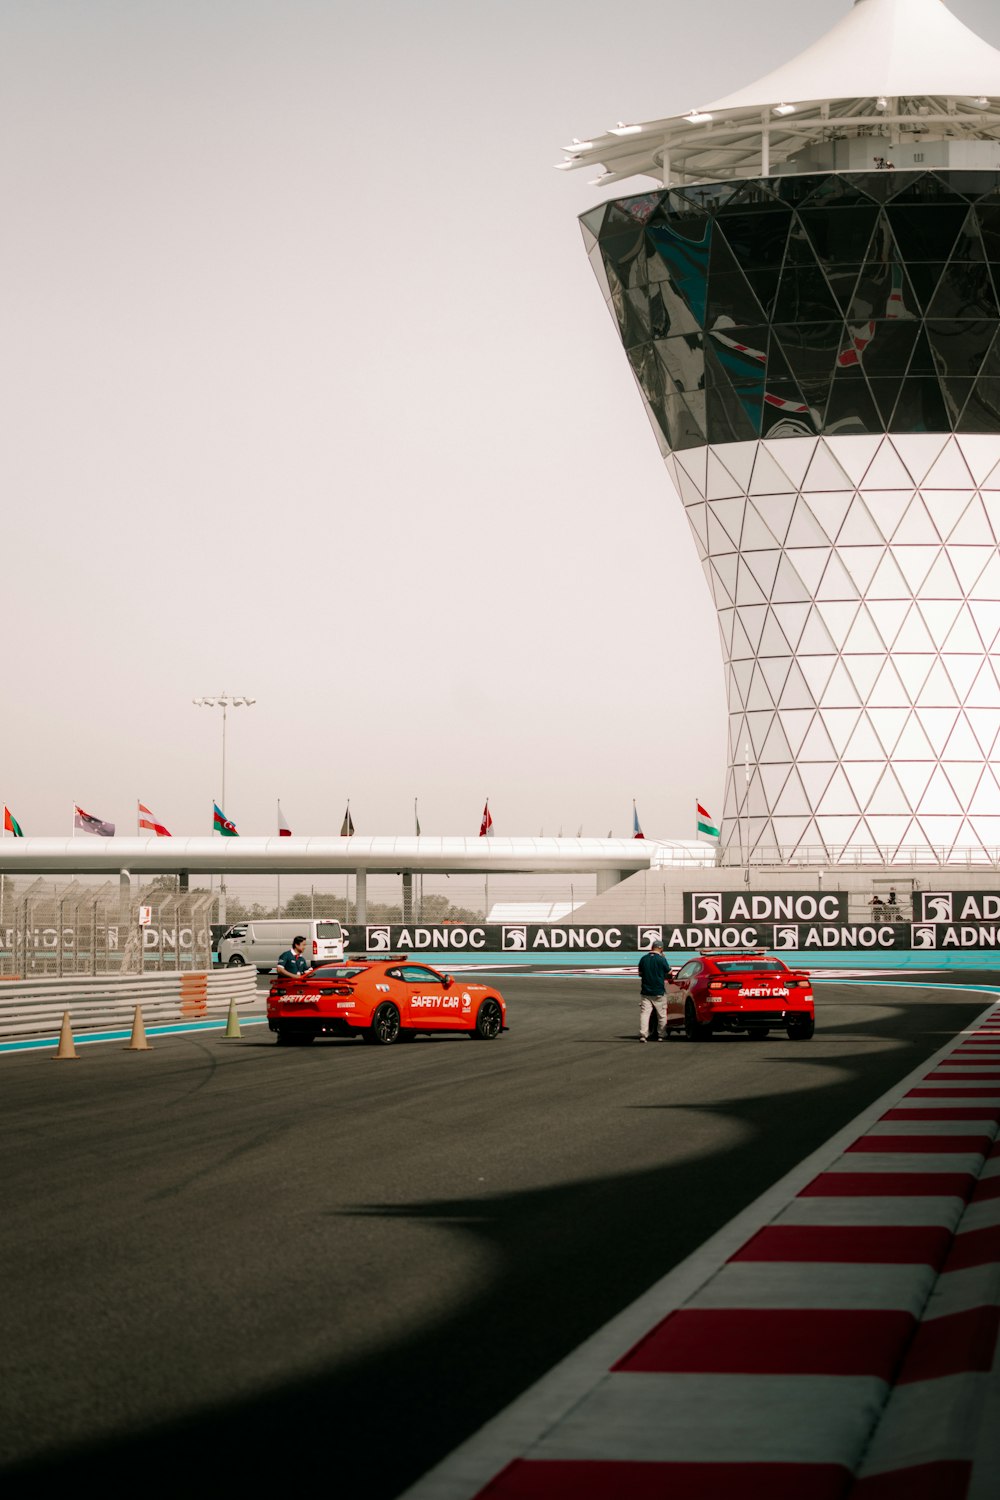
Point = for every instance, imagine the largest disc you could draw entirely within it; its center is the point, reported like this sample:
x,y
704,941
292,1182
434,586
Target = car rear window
x,y
329,971
328,930
748,967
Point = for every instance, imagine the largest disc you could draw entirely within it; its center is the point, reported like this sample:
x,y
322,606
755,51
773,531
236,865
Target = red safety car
x,y
745,992
382,1000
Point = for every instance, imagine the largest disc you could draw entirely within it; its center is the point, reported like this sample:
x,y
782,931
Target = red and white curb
x,y
837,1341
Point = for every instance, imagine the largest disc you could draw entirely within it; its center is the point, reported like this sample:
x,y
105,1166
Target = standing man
x,y
654,971
291,964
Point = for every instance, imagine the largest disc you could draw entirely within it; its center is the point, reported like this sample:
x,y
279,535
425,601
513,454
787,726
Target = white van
x,y
263,943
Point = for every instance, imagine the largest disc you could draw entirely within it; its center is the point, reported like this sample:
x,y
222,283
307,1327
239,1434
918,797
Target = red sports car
x,y
382,1000
742,992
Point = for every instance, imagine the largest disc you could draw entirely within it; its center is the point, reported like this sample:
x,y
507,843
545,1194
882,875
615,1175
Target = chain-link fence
x,y
54,929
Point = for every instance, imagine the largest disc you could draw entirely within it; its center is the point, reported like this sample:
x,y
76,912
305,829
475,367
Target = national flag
x,y
486,826
637,832
347,826
221,824
147,821
283,831
90,824
703,819
415,817
10,824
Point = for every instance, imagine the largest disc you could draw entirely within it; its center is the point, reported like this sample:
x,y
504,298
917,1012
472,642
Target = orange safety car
x,y
382,1000
744,992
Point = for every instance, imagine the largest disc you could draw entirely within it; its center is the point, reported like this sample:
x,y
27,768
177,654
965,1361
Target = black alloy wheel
x,y
384,1029
489,1022
693,1029
801,1031
237,961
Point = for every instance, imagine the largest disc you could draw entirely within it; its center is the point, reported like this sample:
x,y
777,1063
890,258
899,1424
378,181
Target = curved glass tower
x,y
810,305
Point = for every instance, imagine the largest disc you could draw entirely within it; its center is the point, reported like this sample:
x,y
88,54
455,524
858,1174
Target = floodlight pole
x,y
223,701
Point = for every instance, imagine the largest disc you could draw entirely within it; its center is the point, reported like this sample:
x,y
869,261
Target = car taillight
x,y
315,948
341,989
716,984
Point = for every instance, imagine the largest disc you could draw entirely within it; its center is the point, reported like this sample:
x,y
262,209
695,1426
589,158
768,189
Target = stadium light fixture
x,y
784,109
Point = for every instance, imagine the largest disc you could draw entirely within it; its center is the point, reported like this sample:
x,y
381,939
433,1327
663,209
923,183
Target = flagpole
x,y
279,872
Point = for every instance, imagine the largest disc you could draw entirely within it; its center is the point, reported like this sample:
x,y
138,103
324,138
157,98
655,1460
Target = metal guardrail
x,y
35,1007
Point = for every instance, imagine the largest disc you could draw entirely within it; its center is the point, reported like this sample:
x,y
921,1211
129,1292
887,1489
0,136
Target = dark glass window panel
x,y
964,291
843,282
969,245
695,402
625,255
686,265
805,296
684,360
810,350
924,279
883,290
621,217
730,298
650,374
926,233
784,408
990,367
988,215
756,240
835,192
764,285
924,187
682,217
594,220
637,327
794,189
659,313
741,355
956,395
923,361
800,250
959,348
885,393
779,371
709,197
678,425
973,185
840,237
920,407
890,349
729,418
851,407
982,411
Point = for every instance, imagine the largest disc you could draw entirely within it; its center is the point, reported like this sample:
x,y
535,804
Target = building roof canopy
x,y
887,66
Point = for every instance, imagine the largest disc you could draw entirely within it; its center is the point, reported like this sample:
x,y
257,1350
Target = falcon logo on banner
x,y
89,824
486,826
148,823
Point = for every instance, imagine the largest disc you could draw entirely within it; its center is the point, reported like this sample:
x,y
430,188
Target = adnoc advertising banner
x,y
435,942
765,906
956,906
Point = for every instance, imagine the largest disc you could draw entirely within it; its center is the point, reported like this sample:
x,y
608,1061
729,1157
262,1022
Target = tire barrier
x,y
38,1007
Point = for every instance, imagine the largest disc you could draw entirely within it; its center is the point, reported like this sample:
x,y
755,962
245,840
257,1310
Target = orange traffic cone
x,y
66,1047
138,1042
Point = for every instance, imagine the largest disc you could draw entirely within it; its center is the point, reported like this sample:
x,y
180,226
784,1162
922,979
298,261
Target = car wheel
x,y
489,1022
757,1033
801,1031
384,1029
693,1028
236,961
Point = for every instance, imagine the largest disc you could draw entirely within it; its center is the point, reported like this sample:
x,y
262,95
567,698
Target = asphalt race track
x,y
228,1262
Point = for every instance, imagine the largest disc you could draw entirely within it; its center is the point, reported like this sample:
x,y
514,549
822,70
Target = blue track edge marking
x,y
83,1038
808,958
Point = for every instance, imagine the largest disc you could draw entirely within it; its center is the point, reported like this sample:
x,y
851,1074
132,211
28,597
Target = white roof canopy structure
x,y
389,855
889,68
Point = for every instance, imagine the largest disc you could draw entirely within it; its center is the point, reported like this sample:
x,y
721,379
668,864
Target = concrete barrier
x,y
34,1007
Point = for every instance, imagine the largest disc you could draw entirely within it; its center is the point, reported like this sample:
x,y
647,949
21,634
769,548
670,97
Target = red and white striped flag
x,y
284,832
149,824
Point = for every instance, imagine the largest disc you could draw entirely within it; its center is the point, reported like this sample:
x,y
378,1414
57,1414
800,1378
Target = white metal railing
x,y
35,1007
920,856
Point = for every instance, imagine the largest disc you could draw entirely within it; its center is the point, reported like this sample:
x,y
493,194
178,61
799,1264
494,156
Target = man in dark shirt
x,y
653,974
291,964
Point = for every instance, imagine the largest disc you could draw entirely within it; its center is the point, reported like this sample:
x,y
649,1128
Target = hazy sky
x,y
309,393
